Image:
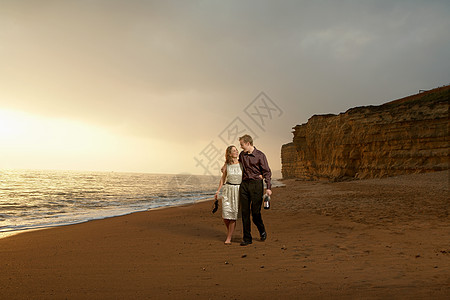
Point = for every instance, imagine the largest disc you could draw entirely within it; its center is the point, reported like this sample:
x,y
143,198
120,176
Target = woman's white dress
x,y
230,199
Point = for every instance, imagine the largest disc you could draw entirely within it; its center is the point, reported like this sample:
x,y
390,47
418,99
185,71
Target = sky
x,y
166,86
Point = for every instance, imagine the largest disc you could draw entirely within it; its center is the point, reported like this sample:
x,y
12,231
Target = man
x,y
254,168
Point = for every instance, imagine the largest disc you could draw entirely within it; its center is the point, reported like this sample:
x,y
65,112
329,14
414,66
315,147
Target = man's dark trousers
x,y
250,197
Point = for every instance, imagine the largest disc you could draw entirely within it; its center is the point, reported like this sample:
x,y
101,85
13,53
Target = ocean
x,y
32,199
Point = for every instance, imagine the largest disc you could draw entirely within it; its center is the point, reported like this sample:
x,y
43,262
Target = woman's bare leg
x,y
227,223
231,225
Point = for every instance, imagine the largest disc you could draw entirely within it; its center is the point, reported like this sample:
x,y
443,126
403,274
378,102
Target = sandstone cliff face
x,y
409,135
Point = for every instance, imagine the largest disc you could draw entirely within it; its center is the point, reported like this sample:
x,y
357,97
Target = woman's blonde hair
x,y
228,158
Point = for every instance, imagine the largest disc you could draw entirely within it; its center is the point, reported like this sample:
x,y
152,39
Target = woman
x,y
231,179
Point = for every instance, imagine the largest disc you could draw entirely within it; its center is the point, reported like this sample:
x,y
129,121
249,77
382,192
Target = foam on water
x,y
31,199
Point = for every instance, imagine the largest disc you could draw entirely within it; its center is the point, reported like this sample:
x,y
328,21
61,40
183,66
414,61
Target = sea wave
x,y
41,199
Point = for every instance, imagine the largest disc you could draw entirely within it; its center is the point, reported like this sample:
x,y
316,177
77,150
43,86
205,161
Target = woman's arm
x,y
222,181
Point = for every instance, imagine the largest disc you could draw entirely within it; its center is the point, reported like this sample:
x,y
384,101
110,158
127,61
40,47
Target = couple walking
x,y
242,178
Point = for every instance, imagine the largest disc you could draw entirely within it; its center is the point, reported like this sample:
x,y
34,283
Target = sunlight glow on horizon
x,y
18,129
34,142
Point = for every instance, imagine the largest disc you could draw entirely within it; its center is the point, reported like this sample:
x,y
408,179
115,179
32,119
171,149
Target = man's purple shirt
x,y
255,164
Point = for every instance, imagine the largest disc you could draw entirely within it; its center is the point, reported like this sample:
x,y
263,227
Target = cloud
x,y
152,68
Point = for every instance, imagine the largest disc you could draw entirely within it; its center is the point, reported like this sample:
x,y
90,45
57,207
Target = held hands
x,y
269,192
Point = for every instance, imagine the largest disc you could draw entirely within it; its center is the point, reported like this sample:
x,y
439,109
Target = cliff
x,y
408,135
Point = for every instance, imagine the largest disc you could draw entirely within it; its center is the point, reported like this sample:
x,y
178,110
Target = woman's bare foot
x,y
227,242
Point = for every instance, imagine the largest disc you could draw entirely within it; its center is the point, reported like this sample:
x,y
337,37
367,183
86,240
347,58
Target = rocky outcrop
x,y
409,135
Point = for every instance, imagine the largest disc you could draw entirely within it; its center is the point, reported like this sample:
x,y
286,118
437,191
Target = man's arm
x,y
266,172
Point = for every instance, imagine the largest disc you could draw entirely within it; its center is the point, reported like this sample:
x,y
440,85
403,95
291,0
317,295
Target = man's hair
x,y
247,139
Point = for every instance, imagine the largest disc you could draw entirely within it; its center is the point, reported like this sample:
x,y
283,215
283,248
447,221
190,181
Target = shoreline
x,y
5,234
370,238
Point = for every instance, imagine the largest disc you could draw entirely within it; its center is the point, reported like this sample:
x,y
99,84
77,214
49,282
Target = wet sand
x,y
365,239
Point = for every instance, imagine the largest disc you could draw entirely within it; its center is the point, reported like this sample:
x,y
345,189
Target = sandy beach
x,y
367,239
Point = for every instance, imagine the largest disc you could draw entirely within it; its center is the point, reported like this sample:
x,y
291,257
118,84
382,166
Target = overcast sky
x,y
150,86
